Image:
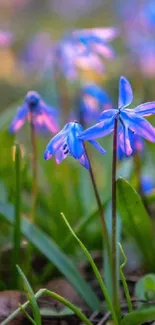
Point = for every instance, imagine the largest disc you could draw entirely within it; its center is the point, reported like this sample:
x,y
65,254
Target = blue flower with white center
x,y
36,111
67,143
93,100
128,119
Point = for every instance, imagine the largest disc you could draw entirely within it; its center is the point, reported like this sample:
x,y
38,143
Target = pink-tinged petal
x,y
91,103
106,34
138,125
90,61
56,142
61,154
125,93
84,161
50,123
104,50
99,130
19,119
127,144
145,109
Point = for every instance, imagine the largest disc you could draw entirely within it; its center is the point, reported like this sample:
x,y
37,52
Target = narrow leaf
x,y
136,220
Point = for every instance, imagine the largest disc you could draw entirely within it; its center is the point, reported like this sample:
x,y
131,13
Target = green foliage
x,y
50,249
136,220
139,317
145,287
31,297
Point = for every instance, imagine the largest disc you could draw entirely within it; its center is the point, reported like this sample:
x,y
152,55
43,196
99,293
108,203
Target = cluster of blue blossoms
x,y
132,126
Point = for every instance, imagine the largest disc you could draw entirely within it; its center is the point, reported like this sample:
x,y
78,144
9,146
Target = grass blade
x,y
31,297
95,269
54,254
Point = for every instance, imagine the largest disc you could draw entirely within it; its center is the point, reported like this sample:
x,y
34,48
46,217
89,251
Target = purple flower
x,y
43,117
85,49
93,100
67,143
129,119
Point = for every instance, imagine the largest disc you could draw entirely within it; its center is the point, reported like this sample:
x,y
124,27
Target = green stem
x,y
17,224
114,221
55,296
100,207
34,170
95,270
125,286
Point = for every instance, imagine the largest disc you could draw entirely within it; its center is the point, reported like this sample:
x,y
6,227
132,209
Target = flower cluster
x,y
131,127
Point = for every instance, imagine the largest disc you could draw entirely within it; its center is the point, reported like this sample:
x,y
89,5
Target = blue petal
x,y
138,125
107,114
56,142
125,93
99,130
75,145
19,119
98,147
84,161
145,109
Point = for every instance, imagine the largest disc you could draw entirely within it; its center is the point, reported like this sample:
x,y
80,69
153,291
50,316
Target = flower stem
x,y
114,220
100,207
17,232
34,170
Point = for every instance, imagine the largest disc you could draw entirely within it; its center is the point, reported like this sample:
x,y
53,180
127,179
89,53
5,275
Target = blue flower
x,y
96,40
84,49
93,101
129,119
35,110
147,184
67,143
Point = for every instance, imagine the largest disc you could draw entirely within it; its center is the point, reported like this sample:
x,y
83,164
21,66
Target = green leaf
x,y
139,317
145,287
50,249
31,297
136,220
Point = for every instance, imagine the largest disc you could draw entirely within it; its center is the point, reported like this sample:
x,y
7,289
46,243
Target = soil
x,y
9,300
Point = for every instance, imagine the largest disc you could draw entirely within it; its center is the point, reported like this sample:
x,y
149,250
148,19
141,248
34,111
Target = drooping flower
x,y
93,100
67,143
128,119
36,111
